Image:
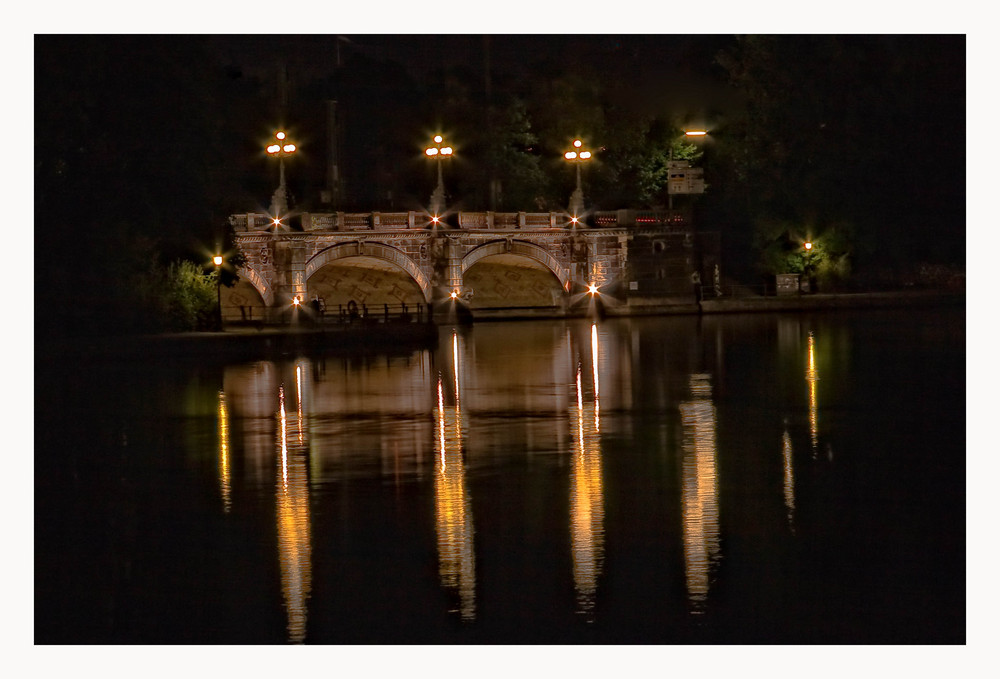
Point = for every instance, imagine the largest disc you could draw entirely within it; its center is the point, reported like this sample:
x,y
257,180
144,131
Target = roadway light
x,y
592,289
438,152
279,202
670,164
217,261
807,269
577,155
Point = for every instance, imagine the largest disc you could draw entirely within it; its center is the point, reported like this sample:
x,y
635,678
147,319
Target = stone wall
x,y
648,256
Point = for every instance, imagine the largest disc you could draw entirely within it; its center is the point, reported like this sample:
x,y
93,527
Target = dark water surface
x,y
740,479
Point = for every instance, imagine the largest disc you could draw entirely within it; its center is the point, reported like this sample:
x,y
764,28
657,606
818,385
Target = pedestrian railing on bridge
x,y
374,314
401,221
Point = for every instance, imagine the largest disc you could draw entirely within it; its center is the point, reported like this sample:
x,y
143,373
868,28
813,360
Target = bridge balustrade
x,y
396,221
357,222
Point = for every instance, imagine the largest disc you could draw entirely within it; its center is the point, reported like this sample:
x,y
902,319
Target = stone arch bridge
x,y
492,263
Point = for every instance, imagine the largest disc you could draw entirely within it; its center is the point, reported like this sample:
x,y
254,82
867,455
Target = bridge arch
x,y
260,284
517,247
374,250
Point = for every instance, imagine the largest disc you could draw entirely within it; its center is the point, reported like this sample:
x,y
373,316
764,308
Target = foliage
x,y
190,297
780,249
844,129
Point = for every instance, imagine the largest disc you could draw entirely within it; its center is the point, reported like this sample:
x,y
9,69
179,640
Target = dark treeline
x,y
145,144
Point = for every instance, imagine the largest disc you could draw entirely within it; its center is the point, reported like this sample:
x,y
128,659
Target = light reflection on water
x,y
294,530
224,465
580,441
587,494
453,509
701,490
327,403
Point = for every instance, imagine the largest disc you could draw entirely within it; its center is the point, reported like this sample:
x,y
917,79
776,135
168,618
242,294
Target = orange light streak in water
x,y
298,400
283,443
586,505
453,509
224,471
597,382
786,454
294,539
812,377
700,492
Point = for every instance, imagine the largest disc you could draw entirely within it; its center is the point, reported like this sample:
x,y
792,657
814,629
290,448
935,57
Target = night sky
x,y
138,122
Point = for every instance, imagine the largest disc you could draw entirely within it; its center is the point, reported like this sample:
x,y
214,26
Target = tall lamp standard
x,y
690,134
438,152
279,201
577,156
217,260
807,265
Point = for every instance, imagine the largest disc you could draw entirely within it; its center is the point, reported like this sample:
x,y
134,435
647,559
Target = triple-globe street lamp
x,y
279,202
438,151
577,156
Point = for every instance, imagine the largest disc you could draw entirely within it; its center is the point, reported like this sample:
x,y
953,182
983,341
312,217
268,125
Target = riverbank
x,y
820,301
251,342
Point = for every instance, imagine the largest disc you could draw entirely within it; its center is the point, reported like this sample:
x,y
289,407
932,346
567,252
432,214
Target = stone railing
x,y
397,221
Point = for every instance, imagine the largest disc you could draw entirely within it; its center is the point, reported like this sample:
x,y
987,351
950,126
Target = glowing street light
x,y
807,265
279,202
577,156
691,134
217,261
592,289
439,151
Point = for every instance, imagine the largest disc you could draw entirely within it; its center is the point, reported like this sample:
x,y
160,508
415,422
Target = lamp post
x,y
217,260
577,156
807,265
438,152
279,201
691,134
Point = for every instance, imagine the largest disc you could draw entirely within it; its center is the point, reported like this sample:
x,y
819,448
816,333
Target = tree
x,y
834,130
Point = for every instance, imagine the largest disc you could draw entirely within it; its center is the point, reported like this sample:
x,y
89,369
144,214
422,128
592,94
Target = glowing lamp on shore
x,y
592,289
454,294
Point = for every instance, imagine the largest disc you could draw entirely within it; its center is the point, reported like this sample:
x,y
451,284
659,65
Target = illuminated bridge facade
x,y
491,263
